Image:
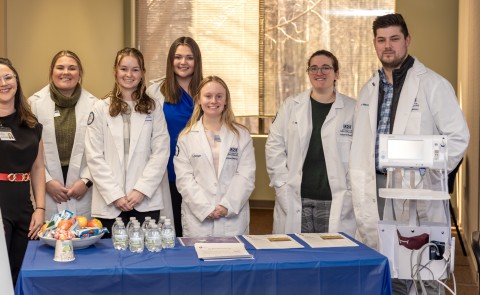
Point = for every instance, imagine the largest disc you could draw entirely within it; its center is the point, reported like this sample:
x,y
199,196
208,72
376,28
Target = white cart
x,y
416,168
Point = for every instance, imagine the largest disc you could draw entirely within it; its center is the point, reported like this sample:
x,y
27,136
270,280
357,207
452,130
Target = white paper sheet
x,y
190,241
275,241
324,240
222,251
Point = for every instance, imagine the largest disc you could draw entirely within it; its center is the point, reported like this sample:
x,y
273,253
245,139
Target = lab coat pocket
x,y
343,145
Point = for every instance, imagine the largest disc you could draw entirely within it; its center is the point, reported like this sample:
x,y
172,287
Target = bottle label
x,y
135,241
121,238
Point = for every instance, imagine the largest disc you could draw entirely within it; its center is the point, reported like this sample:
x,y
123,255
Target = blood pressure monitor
x,y
412,151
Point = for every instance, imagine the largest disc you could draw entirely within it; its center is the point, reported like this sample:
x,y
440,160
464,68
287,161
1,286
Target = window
x,y
261,48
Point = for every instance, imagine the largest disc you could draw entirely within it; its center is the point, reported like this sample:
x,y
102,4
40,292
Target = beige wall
x,y
262,191
36,30
433,26
2,28
469,93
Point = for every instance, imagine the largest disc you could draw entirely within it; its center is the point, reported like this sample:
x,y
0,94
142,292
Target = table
x,y
100,269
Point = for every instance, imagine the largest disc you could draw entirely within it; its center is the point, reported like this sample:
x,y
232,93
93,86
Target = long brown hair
x,y
144,104
171,90
228,117
24,111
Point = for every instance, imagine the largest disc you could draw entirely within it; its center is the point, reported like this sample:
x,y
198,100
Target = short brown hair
x,y
390,20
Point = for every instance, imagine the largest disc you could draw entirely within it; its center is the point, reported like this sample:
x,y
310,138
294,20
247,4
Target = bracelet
x,y
40,208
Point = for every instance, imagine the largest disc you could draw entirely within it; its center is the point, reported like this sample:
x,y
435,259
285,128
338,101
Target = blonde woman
x,y
215,166
62,107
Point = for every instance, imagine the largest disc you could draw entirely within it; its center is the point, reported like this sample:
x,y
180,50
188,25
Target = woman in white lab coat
x,y
307,153
127,147
215,166
62,107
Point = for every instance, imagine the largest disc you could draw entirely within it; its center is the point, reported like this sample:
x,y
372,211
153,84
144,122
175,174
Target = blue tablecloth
x,y
100,269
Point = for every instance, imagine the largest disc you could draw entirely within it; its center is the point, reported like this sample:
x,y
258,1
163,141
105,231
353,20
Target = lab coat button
x,y
215,184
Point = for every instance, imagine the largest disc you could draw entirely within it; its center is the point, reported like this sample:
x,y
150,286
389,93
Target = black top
x,y
315,178
18,156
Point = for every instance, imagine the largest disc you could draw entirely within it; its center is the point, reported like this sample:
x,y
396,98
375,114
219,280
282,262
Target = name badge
x,y
6,134
56,114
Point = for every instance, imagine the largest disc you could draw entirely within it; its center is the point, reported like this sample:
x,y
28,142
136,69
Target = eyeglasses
x,y
8,79
324,69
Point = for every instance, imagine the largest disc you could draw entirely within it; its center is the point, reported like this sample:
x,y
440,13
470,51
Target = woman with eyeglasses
x,y
62,107
175,91
307,153
21,167
127,147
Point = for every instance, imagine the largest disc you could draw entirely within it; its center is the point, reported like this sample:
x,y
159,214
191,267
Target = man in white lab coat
x,y
290,141
403,97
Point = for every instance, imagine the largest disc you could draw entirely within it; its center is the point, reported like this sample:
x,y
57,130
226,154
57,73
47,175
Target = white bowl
x,y
77,242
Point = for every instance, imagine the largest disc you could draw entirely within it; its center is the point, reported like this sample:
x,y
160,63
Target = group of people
x,y
175,148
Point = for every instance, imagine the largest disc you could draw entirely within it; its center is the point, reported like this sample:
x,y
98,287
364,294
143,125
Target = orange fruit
x,y
94,223
65,224
82,221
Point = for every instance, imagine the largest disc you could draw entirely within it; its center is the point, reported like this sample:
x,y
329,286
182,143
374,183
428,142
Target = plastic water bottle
x,y
130,223
145,224
135,241
120,237
114,227
153,239
168,235
161,221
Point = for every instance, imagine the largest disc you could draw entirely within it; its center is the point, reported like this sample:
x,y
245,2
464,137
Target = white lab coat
x,y
202,190
147,160
286,149
427,105
154,90
43,108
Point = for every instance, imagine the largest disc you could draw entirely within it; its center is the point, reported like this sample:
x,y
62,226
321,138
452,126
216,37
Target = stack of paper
x,y
320,240
276,241
190,241
221,251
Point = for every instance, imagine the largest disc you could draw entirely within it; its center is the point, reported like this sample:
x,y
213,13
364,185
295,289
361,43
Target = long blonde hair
x,y
228,117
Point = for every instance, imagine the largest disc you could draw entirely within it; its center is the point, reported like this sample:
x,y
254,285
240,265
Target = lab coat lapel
x,y
46,115
82,111
137,121
227,138
202,142
405,102
303,120
373,88
115,126
337,104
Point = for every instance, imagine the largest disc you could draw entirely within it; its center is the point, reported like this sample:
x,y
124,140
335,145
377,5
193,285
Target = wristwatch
x,y
88,182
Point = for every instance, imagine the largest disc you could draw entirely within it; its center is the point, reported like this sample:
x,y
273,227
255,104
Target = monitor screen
x,y
405,149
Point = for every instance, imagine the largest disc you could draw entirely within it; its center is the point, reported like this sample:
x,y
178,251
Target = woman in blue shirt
x,y
175,91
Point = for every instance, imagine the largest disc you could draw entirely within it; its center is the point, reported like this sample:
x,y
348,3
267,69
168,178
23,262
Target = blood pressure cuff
x,y
413,243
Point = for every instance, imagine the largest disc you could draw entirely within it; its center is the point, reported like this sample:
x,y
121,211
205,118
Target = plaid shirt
x,y
385,109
